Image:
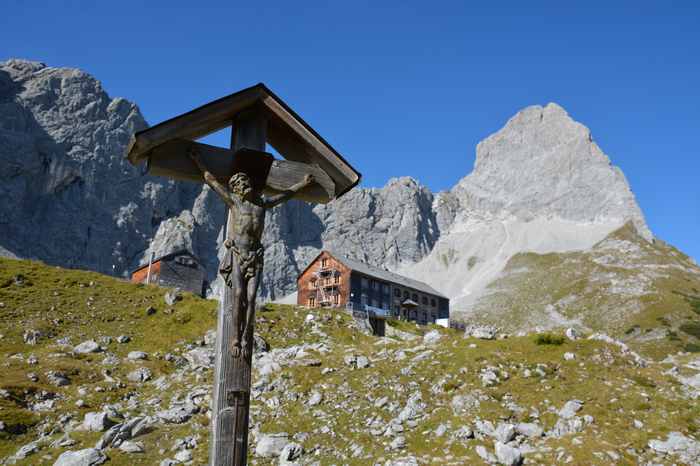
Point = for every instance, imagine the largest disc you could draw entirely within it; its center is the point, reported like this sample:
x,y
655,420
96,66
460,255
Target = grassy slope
x,y
83,305
624,286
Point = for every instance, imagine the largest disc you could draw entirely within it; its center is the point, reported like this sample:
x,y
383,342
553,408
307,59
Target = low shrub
x,y
695,305
643,381
692,348
691,328
549,339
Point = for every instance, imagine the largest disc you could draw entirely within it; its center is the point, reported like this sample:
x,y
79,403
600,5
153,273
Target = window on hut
x,y
184,260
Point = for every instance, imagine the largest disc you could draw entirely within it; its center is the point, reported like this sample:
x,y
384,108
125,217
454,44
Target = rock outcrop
x,y
70,197
545,164
540,184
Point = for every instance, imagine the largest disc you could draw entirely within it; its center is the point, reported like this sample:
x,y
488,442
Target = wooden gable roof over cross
x,y
165,146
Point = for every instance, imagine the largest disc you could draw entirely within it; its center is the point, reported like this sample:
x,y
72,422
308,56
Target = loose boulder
x,y
271,445
89,346
87,457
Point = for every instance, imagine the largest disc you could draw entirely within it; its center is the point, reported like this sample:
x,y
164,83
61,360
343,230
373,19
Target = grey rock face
x,y
385,227
89,346
172,296
142,374
432,337
484,332
271,445
570,409
96,422
78,203
529,429
75,201
200,357
132,447
507,455
541,172
677,444
177,414
58,379
23,452
486,455
87,457
183,456
137,355
31,337
124,431
540,184
544,163
292,451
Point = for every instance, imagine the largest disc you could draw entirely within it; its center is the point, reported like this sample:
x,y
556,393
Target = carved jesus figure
x,y
242,266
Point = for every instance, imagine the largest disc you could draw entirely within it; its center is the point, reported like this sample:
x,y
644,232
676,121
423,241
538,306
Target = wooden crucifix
x,y
250,181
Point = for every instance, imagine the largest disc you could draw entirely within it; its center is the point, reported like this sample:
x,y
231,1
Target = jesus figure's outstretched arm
x,y
287,194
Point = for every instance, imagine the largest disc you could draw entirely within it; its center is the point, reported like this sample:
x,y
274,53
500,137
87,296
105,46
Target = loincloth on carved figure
x,y
249,263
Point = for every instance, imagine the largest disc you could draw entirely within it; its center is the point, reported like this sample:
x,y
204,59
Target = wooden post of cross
x,y
249,181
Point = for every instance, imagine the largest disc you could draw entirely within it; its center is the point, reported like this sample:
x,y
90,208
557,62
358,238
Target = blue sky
x,y
410,88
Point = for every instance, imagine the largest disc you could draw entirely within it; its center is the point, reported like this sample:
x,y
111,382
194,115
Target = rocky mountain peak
x,y
75,200
21,66
551,125
544,163
403,181
539,185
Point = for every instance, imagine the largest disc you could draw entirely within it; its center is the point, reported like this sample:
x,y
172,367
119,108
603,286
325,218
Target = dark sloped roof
x,y
385,275
179,252
287,132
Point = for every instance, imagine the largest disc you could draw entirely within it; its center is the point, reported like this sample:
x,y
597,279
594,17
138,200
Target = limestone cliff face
x,y
543,163
540,184
69,197
387,227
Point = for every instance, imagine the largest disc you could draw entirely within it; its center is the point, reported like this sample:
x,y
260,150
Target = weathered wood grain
x,y
171,160
232,379
296,141
194,124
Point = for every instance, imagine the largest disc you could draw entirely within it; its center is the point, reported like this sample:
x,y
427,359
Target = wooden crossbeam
x,y
287,132
172,161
